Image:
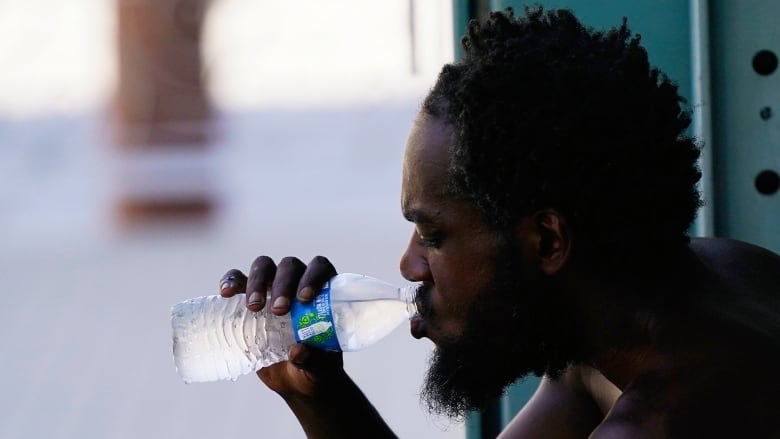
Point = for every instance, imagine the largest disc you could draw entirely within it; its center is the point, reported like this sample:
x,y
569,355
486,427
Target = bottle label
x,y
313,322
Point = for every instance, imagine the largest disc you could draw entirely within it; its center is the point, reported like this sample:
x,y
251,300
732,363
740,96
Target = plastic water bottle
x,y
217,338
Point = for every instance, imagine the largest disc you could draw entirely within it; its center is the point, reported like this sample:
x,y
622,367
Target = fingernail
x,y
254,298
281,302
226,284
306,294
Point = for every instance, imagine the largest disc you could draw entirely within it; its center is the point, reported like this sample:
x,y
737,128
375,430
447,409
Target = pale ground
x,y
84,330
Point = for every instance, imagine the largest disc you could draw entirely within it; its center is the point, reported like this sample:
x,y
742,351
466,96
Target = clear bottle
x,y
217,338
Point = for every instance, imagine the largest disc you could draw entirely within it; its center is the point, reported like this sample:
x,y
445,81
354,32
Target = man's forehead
x,y
428,150
426,167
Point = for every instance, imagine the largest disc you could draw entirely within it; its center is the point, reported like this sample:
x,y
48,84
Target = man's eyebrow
x,y
418,216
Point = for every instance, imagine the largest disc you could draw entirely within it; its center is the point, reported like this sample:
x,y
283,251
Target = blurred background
x,y
146,147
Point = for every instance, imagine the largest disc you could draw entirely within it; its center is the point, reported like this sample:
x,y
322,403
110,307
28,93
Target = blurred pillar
x,y
162,114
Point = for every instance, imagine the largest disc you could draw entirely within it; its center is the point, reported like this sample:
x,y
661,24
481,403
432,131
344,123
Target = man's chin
x,y
453,387
457,383
444,393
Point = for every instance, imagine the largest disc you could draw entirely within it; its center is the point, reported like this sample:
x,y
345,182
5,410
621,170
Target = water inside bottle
x,y
210,338
360,324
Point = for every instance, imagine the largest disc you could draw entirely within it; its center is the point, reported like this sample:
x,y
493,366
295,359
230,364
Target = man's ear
x,y
554,241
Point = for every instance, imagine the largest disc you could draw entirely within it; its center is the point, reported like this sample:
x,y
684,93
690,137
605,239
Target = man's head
x,y
550,114
490,300
548,145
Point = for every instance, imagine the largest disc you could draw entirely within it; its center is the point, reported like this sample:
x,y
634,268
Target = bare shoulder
x,y
638,413
633,414
739,264
570,406
668,404
621,429
603,392
723,252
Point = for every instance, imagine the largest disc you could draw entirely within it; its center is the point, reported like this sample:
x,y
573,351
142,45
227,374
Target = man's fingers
x,y
317,274
232,283
285,284
315,360
286,281
261,276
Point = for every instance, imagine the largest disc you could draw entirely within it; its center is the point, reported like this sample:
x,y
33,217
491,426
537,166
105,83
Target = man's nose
x,y
414,265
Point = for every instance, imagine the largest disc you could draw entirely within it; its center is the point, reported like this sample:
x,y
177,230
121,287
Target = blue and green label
x,y
313,322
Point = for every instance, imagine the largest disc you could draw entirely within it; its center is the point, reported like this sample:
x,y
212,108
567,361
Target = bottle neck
x,y
408,294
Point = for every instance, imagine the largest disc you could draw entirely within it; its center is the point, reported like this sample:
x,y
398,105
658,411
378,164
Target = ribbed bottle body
x,y
217,338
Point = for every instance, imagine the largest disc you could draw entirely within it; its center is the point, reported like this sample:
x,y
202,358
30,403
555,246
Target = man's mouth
x,y
417,326
422,301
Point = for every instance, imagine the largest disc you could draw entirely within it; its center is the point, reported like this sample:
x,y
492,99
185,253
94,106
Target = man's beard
x,y
518,325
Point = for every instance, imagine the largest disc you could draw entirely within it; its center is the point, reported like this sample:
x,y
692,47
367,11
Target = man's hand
x,y
307,368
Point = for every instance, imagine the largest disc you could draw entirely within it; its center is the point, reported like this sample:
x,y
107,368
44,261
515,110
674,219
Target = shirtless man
x,y
551,186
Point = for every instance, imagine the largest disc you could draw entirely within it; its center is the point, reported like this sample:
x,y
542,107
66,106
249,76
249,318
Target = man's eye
x,y
429,241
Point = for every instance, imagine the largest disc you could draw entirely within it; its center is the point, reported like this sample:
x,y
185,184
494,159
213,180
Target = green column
x,y
745,46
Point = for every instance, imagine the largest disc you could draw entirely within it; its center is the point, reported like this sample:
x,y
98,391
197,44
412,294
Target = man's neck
x,y
618,334
625,336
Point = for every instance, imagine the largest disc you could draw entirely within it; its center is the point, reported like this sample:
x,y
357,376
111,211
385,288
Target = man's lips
x,y
417,326
422,302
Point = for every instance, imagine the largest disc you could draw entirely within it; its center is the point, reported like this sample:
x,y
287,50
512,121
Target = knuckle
x,y
291,261
232,274
262,273
320,261
262,262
